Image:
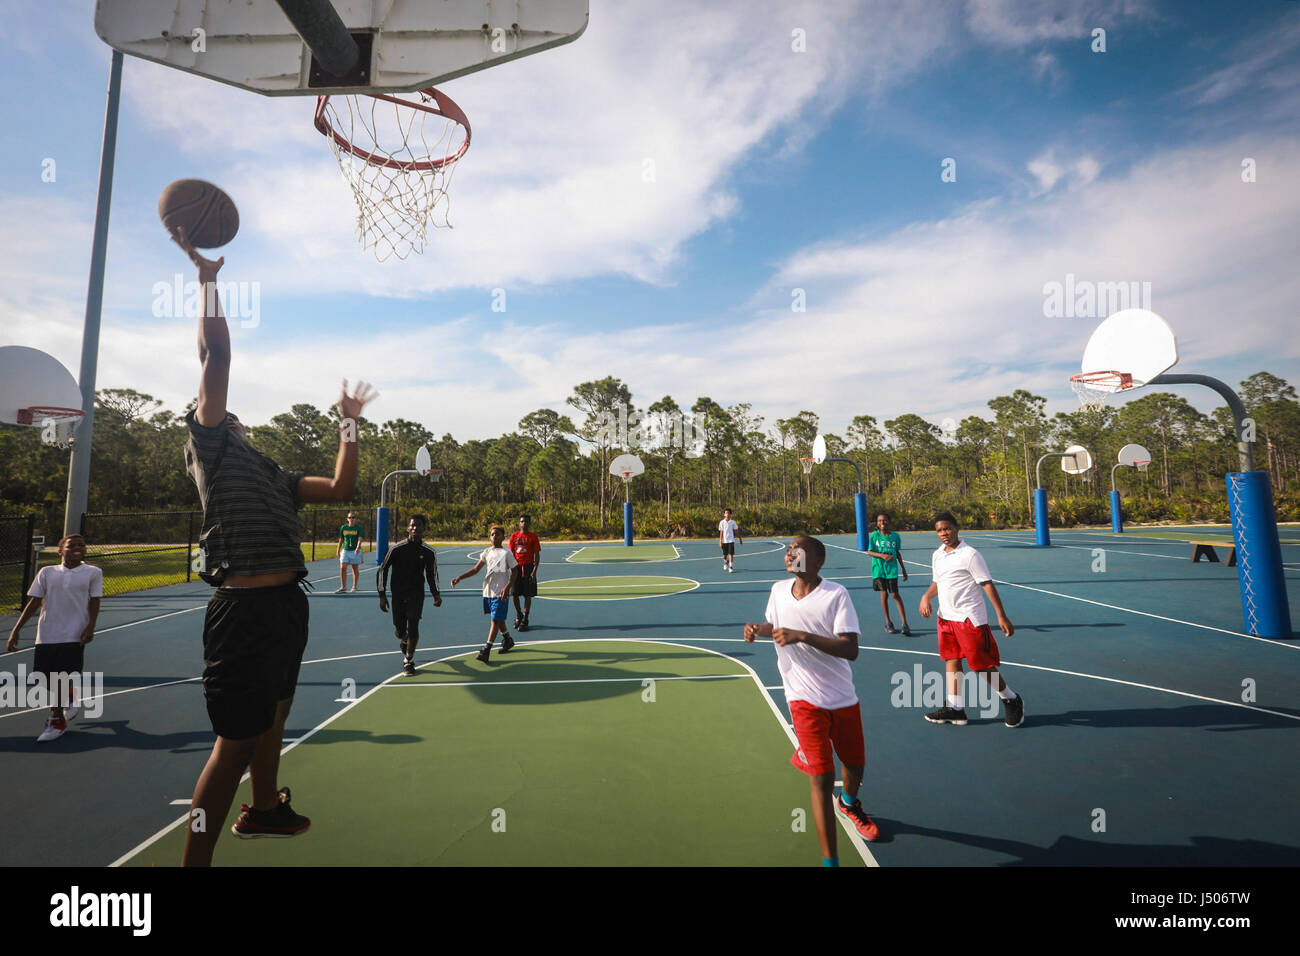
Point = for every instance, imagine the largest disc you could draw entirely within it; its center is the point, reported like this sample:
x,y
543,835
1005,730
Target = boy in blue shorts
x,y
502,573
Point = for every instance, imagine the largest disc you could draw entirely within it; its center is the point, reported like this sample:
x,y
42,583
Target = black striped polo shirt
x,y
250,506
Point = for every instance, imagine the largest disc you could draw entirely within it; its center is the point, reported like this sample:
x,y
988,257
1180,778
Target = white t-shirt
x,y
65,595
729,528
959,574
497,564
809,674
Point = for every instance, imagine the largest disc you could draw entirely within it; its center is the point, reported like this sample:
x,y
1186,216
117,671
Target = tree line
x,y
705,454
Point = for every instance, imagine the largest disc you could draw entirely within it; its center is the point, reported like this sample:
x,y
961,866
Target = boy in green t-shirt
x,y
349,552
885,548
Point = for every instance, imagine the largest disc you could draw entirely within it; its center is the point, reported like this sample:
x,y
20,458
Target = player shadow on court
x,y
1072,851
1216,718
330,736
86,735
1060,627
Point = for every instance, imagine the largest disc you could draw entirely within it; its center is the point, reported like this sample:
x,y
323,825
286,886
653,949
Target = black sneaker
x,y
402,644
483,654
889,628
1015,711
518,622
522,625
280,823
507,642
947,716
907,631
408,668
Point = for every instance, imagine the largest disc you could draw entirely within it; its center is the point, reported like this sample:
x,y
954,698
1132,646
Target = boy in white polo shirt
x,y
961,579
728,535
815,629
67,595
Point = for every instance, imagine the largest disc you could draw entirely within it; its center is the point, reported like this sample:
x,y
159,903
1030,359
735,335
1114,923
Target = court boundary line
x,y
570,557
634,597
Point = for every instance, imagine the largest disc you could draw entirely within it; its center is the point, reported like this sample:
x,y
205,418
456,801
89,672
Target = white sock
x,y
956,702
1007,693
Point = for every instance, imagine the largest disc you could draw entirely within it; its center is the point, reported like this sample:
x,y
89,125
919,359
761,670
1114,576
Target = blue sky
x,y
776,170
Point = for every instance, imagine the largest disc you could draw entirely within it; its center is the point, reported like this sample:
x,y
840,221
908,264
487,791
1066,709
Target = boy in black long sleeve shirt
x,y
412,562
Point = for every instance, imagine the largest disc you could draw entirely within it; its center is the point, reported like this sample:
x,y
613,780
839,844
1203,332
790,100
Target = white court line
x,y
1145,554
555,582
636,597
583,680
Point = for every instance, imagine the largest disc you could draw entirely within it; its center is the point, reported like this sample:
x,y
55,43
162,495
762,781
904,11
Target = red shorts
x,y
959,639
818,730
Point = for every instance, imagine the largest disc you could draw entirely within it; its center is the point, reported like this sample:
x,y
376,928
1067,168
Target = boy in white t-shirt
x,y
815,629
961,579
67,595
728,538
502,573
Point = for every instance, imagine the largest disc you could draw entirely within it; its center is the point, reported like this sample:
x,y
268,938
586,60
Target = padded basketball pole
x,y
1264,603
382,515
79,466
324,32
1042,534
1116,512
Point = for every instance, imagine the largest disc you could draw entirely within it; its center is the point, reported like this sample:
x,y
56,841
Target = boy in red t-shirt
x,y
527,550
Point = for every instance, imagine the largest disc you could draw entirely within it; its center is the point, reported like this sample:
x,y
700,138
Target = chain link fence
x,y
17,560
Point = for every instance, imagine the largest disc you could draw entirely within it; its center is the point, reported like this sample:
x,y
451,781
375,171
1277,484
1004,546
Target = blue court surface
x,y
1157,733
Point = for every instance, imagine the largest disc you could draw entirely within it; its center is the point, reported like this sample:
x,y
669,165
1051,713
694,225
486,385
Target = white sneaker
x,y
55,728
354,589
730,569
71,711
340,590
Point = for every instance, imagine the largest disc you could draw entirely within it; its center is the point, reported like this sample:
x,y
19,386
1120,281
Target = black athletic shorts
x,y
526,586
62,658
407,607
729,548
885,584
253,641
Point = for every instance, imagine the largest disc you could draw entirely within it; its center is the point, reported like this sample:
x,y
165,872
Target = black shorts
x,y
253,641
407,607
526,586
885,584
62,658
729,548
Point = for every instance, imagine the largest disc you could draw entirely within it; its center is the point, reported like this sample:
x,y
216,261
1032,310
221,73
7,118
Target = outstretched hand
x,y
350,406
208,268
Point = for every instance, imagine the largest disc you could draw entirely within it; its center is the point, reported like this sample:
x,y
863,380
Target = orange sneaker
x,y
858,817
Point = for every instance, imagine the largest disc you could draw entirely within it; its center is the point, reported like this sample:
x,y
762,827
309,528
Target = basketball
x,y
204,211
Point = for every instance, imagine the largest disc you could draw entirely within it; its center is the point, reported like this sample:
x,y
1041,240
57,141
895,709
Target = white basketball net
x,y
397,201
1093,391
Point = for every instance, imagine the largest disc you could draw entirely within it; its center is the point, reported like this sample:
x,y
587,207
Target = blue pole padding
x,y
627,523
1264,602
1116,514
381,534
1040,517
860,513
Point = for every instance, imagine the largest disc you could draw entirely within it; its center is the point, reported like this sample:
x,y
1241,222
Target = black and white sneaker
x,y
408,667
947,715
1015,711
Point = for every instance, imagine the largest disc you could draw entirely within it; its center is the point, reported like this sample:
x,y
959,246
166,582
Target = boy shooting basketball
x,y
815,629
256,625
502,573
961,579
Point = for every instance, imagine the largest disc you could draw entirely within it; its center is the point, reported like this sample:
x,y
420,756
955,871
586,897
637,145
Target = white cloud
x,y
1015,23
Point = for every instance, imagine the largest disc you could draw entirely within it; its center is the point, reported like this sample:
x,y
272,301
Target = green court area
x,y
574,753
613,587
617,553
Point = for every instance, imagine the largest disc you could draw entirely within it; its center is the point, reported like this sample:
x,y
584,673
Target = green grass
x,y
612,587
495,772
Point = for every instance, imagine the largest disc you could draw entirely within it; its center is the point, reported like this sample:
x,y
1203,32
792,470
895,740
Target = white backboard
x,y
629,465
422,461
1078,460
415,43
1134,455
31,377
1135,341
819,449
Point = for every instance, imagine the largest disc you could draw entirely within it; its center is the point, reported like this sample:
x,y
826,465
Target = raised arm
x,y
340,487
214,339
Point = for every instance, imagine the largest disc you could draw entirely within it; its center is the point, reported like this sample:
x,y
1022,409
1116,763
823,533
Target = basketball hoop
x,y
63,420
434,475
627,477
1141,466
1093,388
398,171
807,465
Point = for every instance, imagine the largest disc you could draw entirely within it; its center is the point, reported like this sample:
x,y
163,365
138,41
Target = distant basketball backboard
x,y
400,46
35,388
1076,461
